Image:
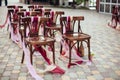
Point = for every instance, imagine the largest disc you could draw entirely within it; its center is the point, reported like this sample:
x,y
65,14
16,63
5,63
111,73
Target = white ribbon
x,y
28,64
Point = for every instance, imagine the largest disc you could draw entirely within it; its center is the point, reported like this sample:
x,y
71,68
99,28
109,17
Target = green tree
x,y
82,1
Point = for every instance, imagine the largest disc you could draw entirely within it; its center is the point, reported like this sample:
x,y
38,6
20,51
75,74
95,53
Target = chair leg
x,y
22,57
7,27
53,53
9,35
60,49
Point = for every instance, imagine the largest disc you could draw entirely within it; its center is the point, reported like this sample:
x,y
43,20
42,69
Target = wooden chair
x,y
72,37
53,24
33,39
12,13
32,7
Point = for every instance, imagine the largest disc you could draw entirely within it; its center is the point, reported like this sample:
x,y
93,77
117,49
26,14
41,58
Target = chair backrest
x,y
58,14
27,22
68,24
19,6
43,24
32,7
12,10
23,13
38,6
40,11
64,25
23,9
15,16
31,13
11,6
14,6
20,14
47,13
54,16
47,9
33,24
77,19
34,13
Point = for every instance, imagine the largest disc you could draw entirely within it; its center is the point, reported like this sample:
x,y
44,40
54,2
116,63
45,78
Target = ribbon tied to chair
x,y
51,20
68,25
27,13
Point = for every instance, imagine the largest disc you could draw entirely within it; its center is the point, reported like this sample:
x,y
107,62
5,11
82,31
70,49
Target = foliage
x,y
81,1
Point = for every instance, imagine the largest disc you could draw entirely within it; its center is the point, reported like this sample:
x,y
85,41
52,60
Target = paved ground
x,y
105,44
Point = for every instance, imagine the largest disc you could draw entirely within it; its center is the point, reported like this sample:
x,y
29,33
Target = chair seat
x,y
39,40
76,36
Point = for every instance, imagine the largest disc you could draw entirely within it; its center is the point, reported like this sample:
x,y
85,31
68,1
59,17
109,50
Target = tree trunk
x,y
86,3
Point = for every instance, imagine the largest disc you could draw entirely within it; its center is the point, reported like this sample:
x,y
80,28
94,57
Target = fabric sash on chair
x,y
27,13
34,23
52,15
68,25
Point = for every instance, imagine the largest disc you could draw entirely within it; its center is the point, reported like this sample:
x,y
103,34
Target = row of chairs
x,y
47,22
19,17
